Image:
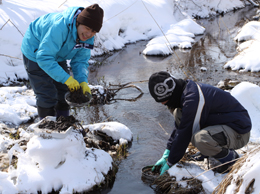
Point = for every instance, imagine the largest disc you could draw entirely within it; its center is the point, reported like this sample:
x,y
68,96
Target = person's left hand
x,y
85,87
164,169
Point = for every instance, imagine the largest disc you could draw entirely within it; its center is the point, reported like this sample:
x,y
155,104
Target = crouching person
x,y
208,117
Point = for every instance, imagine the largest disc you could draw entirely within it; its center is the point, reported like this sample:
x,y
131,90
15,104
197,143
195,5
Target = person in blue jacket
x,y
208,117
48,43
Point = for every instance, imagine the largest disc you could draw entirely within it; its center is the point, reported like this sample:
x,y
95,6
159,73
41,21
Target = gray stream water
x,y
150,122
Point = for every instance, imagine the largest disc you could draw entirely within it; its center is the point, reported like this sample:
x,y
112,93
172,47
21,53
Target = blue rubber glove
x,y
164,169
163,160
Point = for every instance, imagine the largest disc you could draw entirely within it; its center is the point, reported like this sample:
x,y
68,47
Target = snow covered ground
x,y
62,163
165,22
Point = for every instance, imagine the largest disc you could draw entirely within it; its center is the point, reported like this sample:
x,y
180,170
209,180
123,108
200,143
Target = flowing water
x,y
150,122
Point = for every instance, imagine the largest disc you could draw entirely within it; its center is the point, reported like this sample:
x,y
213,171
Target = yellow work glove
x,y
72,84
85,87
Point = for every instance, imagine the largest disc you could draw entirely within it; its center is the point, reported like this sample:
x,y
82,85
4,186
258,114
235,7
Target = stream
x,y
151,122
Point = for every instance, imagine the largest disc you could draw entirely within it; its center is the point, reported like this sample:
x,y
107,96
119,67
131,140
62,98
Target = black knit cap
x,y
92,16
161,86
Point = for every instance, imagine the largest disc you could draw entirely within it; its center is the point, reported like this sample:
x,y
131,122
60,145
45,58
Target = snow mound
x,y
54,164
179,35
248,95
117,131
248,57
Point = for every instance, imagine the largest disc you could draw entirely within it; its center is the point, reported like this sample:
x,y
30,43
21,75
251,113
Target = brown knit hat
x,y
92,16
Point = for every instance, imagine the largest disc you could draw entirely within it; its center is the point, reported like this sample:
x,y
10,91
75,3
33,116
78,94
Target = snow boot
x,y
229,159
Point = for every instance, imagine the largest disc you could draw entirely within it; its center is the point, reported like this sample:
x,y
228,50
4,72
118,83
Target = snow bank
x,y
117,131
248,58
54,164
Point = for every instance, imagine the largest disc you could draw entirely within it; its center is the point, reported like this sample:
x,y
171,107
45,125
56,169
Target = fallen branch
x,y
111,91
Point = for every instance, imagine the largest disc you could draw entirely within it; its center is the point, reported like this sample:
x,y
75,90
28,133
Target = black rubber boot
x,y
62,109
43,112
64,113
229,159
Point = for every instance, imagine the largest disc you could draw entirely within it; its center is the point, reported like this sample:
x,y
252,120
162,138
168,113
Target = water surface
x,y
150,122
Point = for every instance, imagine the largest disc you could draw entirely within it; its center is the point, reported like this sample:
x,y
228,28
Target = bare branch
x,y
9,20
9,56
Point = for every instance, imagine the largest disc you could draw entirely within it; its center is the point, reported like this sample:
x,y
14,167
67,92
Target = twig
x,y
225,25
62,3
106,119
9,20
10,56
132,99
121,11
163,129
127,85
4,24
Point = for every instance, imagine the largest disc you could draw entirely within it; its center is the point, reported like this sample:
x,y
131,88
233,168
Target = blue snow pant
x,y
49,93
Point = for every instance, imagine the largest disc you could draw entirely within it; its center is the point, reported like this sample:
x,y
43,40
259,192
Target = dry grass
x,y
221,188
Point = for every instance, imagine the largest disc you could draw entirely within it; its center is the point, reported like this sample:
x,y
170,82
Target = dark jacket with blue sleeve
x,y
202,106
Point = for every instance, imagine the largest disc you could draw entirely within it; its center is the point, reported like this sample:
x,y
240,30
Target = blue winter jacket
x,y
52,38
202,106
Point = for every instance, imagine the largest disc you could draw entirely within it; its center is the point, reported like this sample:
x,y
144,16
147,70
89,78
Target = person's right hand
x,y
72,84
162,161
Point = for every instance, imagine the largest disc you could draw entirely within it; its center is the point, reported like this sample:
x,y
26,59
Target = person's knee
x,y
201,140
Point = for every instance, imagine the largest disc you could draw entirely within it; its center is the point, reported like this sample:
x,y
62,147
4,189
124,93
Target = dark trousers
x,y
49,93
